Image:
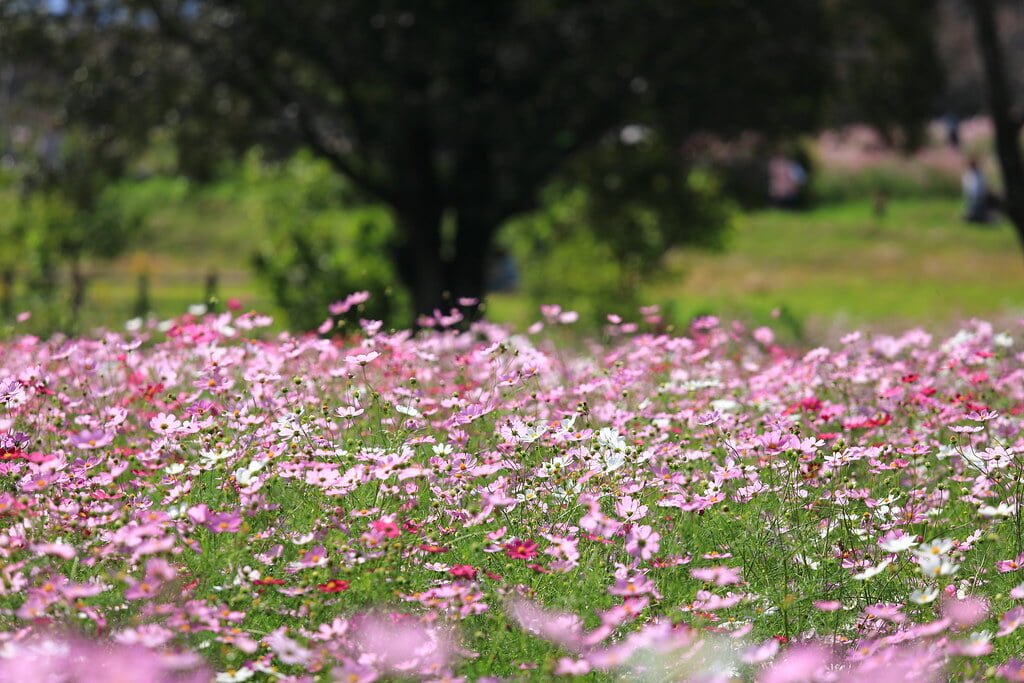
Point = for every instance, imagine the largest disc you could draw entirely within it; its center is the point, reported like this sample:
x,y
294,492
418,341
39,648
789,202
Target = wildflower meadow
x,y
206,500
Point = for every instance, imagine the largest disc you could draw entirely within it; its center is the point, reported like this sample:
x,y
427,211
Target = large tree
x,y
453,113
1005,110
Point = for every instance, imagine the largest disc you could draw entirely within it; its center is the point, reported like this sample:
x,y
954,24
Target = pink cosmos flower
x,y
345,305
1012,620
638,584
720,576
362,358
313,557
563,628
572,667
630,509
37,482
643,542
1010,565
288,650
757,654
92,438
965,612
1012,670
53,659
886,612
764,336
223,522
387,528
776,442
977,645
797,665
400,645
828,605
352,671
521,549
149,635
165,424
708,418
62,550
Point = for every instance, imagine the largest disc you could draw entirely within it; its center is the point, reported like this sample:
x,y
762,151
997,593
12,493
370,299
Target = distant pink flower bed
x,y
854,148
206,501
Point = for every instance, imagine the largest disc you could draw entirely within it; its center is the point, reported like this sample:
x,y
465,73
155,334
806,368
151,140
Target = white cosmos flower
x,y
408,410
934,548
896,545
806,561
611,438
924,597
613,460
1001,510
724,405
872,571
242,674
246,476
937,565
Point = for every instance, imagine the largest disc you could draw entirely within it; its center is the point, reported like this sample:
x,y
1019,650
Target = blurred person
x,y
880,203
787,179
975,193
502,273
952,124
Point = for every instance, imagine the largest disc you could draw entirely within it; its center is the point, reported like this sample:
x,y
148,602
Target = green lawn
x,y
834,267
840,265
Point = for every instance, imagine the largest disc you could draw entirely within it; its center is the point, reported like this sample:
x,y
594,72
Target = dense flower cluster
x,y
208,501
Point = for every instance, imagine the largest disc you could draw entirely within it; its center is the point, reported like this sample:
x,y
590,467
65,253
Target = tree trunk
x,y
7,293
477,219
469,267
418,262
78,283
1007,128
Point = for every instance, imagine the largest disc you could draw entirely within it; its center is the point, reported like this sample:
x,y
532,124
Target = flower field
x,y
206,501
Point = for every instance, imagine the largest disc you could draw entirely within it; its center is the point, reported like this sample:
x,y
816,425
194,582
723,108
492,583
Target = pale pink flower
x,y
708,418
1012,670
288,650
764,336
400,645
643,541
165,424
62,550
720,576
572,667
630,509
345,305
362,358
965,612
638,584
976,645
1012,620
801,664
1011,565
756,654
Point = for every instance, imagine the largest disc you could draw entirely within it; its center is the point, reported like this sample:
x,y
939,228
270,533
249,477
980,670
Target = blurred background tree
x,y
1006,110
562,120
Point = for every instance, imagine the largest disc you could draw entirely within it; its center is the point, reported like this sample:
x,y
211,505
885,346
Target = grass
x,y
834,267
841,266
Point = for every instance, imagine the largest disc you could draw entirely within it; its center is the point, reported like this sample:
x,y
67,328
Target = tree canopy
x,y
453,113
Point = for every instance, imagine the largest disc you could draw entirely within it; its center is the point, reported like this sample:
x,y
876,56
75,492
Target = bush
x,y
603,230
321,243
